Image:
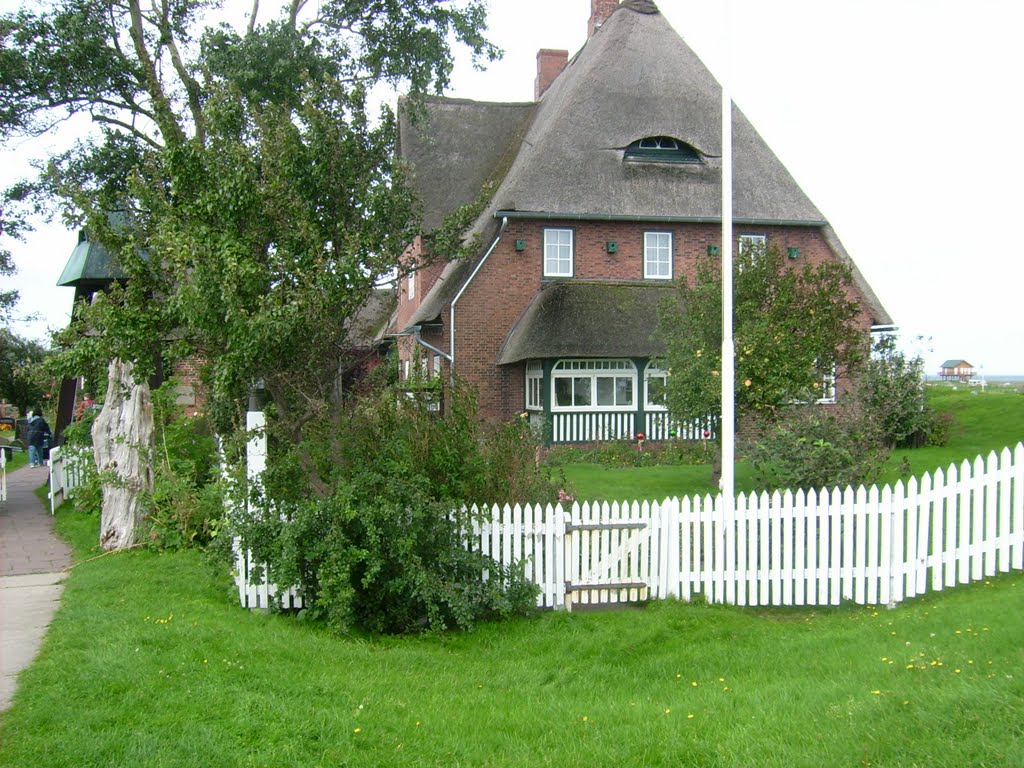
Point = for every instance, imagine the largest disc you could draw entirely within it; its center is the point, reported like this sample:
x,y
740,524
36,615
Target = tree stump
x,y
122,437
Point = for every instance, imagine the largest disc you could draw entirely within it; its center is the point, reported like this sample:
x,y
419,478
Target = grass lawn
x,y
150,663
984,421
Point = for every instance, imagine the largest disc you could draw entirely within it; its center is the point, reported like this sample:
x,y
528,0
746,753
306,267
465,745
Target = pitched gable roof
x,y
637,78
564,156
459,146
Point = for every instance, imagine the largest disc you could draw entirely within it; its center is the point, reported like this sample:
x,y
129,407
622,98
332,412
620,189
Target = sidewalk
x,y
32,559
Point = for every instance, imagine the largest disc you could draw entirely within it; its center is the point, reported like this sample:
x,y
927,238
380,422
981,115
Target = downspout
x,y
419,340
462,290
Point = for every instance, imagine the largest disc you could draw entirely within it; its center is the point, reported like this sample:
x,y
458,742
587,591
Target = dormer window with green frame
x,y
661,149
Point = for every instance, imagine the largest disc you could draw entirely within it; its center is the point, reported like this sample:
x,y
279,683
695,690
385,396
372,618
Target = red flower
x,y
639,435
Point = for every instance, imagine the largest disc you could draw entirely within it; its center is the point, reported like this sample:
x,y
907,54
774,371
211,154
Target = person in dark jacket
x,y
39,437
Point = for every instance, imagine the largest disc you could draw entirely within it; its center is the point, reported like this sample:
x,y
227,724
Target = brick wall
x,y
504,287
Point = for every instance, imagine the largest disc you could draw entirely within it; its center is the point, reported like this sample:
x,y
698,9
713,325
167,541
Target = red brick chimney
x,y
600,10
550,64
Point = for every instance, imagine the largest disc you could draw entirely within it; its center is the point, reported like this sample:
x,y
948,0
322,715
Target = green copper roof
x,y
90,264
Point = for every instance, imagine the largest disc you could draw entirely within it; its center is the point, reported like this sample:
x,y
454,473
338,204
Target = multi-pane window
x,y
655,384
594,384
828,388
558,253
658,255
534,385
753,243
753,247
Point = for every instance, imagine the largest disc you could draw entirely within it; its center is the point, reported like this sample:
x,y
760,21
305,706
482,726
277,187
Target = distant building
x,y
956,370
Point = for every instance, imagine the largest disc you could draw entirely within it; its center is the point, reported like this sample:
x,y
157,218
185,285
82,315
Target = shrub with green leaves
x,y
892,395
817,447
383,547
187,504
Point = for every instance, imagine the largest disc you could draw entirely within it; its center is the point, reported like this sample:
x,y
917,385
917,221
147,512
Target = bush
x,y
187,503
814,447
382,547
892,396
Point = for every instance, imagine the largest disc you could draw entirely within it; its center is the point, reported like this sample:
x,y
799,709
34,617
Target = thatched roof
x,y
461,146
588,319
564,158
636,78
368,326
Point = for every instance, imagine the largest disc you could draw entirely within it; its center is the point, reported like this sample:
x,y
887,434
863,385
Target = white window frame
x,y
654,370
592,370
828,391
559,251
746,241
658,255
828,388
411,293
534,389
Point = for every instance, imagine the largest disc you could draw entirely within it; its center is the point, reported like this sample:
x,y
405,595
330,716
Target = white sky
x,y
899,118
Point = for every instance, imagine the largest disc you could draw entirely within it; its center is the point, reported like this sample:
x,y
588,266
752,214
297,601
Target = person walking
x,y
39,437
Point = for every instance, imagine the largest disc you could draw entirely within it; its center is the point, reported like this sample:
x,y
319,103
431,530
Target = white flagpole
x,y
727,427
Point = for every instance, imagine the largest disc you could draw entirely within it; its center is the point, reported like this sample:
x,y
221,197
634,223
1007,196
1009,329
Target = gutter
x,y
658,219
451,311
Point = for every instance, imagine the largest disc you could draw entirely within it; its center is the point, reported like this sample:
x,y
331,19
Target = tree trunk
x,y
122,437
716,464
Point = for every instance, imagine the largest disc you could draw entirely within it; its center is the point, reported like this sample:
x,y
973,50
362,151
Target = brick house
x,y
603,192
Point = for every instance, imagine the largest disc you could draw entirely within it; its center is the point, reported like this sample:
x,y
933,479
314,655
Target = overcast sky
x,y
899,118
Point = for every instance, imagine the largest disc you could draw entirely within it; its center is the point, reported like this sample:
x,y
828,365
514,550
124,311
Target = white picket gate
x,y
867,546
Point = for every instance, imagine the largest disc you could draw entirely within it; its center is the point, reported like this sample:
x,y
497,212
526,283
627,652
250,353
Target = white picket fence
x,y
68,469
867,546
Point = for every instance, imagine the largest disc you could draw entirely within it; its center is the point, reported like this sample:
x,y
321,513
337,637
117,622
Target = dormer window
x,y
662,149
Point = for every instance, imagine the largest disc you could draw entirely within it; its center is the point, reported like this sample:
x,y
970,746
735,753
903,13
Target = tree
x,y
10,227
21,381
794,329
249,194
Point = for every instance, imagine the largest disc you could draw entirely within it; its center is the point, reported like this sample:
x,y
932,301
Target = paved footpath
x,y
32,561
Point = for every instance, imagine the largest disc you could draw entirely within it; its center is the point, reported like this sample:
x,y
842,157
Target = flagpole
x,y
727,427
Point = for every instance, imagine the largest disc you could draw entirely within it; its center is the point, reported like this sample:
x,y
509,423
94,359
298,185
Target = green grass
x,y
149,662
983,422
17,460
